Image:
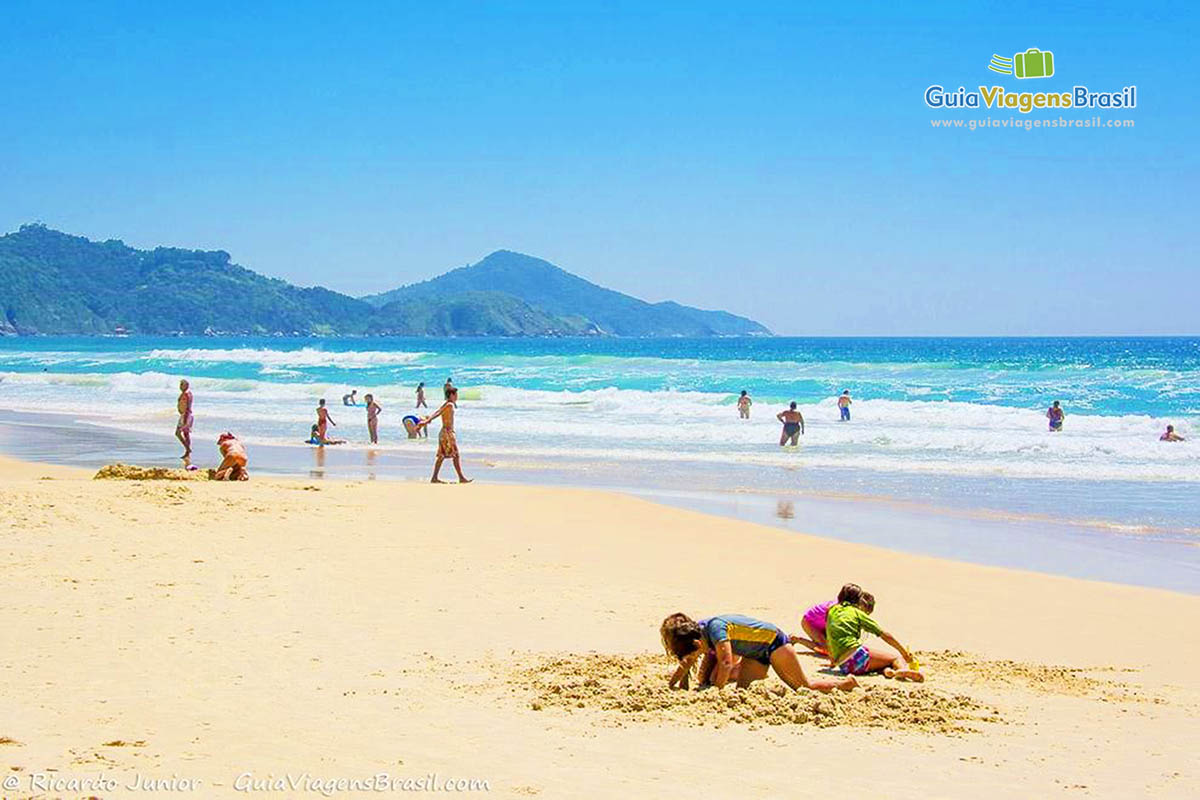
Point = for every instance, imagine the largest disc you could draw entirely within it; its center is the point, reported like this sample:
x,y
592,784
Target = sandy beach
x,y
219,639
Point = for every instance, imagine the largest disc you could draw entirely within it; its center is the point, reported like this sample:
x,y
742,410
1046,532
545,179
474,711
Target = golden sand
x,y
204,629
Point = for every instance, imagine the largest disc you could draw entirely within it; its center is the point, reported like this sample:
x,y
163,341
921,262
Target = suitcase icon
x,y
1034,63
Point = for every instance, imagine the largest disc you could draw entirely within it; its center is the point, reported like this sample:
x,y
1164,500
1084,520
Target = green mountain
x,y
55,283
557,292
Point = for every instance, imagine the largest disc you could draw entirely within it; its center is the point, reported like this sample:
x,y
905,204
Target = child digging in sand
x,y
737,648
813,621
844,624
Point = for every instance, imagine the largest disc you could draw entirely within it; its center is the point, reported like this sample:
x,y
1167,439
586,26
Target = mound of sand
x,y
130,472
634,689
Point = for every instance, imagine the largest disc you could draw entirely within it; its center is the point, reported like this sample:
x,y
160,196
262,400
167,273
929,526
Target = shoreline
x,y
1029,542
353,627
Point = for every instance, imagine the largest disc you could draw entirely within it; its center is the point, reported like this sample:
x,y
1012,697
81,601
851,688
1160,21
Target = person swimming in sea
x,y
1171,435
793,425
1056,416
734,647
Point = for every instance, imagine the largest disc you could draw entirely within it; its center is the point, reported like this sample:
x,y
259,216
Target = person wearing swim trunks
x,y
744,403
1056,416
844,625
447,443
738,648
183,428
793,425
234,459
844,405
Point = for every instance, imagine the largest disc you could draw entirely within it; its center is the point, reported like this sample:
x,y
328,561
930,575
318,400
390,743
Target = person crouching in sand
x,y
233,459
813,621
738,648
844,624
447,443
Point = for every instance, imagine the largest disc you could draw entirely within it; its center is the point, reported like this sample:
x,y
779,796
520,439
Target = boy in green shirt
x,y
844,625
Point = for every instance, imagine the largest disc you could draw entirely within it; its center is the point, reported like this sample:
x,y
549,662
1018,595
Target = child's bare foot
x,y
904,675
436,480
849,684
464,480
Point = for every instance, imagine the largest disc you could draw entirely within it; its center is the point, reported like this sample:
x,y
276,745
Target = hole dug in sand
x,y
634,689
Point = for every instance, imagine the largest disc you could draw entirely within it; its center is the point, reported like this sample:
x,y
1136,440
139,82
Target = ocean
x,y
950,424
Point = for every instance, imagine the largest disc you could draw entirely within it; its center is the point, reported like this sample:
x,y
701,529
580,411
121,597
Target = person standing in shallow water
x,y
793,425
447,387
183,428
373,410
421,395
844,405
744,403
1056,416
324,420
447,442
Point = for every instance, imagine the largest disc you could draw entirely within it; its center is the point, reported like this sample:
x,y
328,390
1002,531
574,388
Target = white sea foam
x,y
303,357
653,427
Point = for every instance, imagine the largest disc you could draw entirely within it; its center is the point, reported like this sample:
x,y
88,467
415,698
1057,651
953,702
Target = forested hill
x,y
55,283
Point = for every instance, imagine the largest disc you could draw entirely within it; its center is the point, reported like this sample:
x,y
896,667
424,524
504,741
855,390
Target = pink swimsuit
x,y
815,616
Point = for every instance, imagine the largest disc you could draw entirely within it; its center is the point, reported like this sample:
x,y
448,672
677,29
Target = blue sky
x,y
770,159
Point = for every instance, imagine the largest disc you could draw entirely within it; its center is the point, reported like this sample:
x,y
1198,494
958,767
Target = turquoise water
x,y
954,422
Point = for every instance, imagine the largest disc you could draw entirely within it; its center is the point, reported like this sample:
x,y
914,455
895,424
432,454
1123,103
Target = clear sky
x,y
773,159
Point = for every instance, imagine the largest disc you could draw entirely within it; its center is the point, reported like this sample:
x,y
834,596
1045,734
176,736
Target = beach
x,y
236,635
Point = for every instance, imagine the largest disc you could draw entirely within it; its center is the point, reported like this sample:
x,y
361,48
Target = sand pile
x,y
130,472
634,689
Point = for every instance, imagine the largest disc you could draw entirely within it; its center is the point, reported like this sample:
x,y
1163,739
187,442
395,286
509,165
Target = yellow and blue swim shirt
x,y
747,637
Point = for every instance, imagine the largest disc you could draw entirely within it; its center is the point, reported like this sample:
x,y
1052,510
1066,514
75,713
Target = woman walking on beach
x,y
738,648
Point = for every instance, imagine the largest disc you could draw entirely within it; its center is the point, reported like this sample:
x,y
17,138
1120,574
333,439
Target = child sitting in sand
x,y
844,624
314,437
233,462
738,648
813,621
